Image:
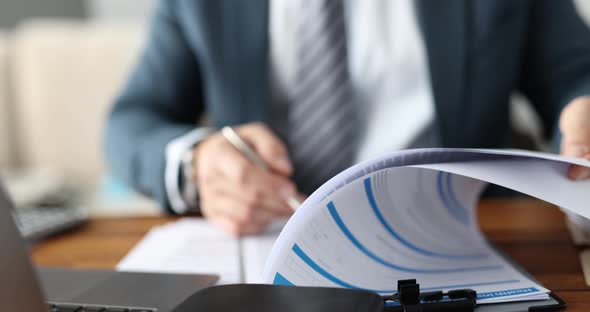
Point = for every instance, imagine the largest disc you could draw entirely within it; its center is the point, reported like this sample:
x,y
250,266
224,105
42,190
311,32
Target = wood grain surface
x,y
532,232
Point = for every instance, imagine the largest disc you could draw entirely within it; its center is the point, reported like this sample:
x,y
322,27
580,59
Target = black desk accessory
x,y
409,299
271,298
274,298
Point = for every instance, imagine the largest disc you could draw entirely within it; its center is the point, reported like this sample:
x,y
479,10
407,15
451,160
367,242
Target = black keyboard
x,y
64,307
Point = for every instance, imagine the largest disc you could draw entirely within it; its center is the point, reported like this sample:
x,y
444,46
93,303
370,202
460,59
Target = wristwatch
x,y
188,187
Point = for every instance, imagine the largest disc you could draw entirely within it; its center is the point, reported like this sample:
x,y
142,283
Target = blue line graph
x,y
312,264
405,242
329,276
388,264
447,195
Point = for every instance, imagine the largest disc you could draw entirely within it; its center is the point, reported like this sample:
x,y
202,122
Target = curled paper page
x,y
411,214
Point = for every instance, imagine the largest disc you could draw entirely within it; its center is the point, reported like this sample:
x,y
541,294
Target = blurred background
x,y
61,64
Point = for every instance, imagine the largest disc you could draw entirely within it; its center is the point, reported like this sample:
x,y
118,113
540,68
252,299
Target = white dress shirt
x,y
389,74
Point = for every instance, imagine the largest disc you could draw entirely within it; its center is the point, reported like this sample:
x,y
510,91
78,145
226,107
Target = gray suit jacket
x,y
211,56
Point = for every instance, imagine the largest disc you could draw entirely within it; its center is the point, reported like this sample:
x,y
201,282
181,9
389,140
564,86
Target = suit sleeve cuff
x,y
175,151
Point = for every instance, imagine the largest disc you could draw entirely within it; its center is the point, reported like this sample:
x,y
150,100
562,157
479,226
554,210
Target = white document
x,y
193,245
411,214
187,246
256,249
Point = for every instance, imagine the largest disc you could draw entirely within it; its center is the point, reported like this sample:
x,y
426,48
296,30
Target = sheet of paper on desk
x,y
187,246
411,214
193,245
256,249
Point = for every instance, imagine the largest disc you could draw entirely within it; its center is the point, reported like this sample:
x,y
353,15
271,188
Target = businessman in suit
x,y
317,85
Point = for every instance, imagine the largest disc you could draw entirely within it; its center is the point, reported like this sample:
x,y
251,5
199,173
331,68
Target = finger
x,y
271,203
235,209
229,224
576,172
225,167
257,195
250,184
270,148
246,177
575,150
574,124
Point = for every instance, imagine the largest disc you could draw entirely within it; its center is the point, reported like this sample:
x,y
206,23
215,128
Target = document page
x,y
412,215
189,245
255,250
194,245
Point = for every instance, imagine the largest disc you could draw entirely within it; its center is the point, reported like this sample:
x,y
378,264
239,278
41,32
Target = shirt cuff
x,y
175,150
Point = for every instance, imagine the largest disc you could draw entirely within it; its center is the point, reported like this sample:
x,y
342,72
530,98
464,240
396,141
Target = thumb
x,y
574,124
268,146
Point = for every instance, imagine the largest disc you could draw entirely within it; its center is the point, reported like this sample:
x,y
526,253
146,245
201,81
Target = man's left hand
x,y
574,124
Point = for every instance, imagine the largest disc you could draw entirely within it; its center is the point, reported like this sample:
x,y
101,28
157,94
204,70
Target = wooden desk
x,y
533,233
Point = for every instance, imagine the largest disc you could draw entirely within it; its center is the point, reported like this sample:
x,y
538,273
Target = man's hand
x,y
574,124
236,194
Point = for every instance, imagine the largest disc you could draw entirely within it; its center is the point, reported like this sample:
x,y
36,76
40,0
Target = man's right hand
x,y
236,194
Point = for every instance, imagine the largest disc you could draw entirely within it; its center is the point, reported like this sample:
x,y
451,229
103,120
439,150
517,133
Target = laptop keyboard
x,y
37,223
58,307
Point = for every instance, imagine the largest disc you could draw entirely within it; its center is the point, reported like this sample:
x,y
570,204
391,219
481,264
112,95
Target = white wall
x,y
6,152
120,9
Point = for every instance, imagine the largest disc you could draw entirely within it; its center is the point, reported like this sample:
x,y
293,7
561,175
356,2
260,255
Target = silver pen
x,y
236,141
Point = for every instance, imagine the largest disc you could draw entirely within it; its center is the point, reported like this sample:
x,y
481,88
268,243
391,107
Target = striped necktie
x,y
322,116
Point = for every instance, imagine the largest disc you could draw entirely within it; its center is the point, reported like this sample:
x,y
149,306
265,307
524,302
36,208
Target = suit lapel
x,y
244,29
444,27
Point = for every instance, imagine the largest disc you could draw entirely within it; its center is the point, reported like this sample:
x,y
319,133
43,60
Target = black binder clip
x,y
409,299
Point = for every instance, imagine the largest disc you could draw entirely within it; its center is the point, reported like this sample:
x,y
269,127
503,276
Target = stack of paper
x,y
407,215
411,215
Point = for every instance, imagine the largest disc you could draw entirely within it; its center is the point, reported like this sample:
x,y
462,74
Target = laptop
x,y
27,289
